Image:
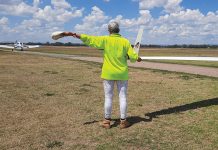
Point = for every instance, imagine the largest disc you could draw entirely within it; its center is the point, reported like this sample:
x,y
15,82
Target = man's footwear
x,y
106,123
124,124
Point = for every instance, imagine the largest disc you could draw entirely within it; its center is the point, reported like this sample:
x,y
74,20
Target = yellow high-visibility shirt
x,y
115,50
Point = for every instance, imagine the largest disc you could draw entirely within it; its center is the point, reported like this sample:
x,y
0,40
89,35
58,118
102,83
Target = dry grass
x,y
49,103
82,51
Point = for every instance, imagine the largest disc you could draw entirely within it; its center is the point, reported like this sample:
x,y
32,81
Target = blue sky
x,y
165,21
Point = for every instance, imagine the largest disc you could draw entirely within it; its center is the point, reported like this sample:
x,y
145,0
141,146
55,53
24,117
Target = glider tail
x,y
138,39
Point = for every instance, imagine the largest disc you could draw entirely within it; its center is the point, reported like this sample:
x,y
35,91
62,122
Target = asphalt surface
x,y
198,70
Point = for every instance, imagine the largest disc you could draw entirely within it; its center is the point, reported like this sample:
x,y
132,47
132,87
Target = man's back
x,y
116,49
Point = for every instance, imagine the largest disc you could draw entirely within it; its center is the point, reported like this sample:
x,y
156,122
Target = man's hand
x,y
66,33
75,35
139,59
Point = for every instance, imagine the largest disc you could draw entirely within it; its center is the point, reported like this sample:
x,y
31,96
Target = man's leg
x,y
108,90
122,91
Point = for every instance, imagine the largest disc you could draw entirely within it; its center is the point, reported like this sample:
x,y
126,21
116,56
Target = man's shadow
x,y
177,109
182,108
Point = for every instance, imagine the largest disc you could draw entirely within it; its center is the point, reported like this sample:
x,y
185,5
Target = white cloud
x,y
187,26
94,22
96,16
49,19
62,11
125,23
174,25
7,2
60,4
173,6
107,0
65,15
168,5
185,16
4,21
178,25
36,3
149,4
45,14
31,24
17,8
42,21
144,19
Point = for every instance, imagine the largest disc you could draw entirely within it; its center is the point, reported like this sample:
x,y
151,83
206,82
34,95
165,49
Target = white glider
x,y
180,58
138,43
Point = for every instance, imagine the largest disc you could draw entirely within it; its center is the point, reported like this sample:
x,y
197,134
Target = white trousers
x,y
109,92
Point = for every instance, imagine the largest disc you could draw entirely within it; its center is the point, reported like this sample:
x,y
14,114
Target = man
x,y
116,51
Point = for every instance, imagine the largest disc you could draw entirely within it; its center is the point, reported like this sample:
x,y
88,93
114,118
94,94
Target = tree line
x,y
142,45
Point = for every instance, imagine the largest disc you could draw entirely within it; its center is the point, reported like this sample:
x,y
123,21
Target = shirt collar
x,y
115,35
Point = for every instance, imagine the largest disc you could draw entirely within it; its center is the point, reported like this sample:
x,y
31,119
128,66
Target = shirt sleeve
x,y
133,56
93,41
